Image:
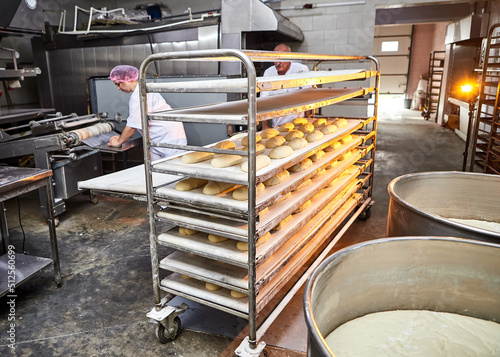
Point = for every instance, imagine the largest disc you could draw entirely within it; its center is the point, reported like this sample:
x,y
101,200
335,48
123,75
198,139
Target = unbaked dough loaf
x,y
301,166
241,194
294,134
244,141
285,197
237,295
341,122
415,333
198,156
329,129
244,245
261,161
216,239
226,161
281,152
314,136
332,183
283,223
303,184
283,128
183,231
298,144
269,133
332,165
345,156
190,184
318,155
299,121
346,139
227,144
306,128
277,179
319,122
333,147
318,173
259,148
303,207
212,287
275,142
215,187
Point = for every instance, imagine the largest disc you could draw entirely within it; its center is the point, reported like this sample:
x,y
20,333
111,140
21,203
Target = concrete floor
x,y
100,310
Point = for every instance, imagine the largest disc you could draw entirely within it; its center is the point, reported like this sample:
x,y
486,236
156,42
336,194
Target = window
x,y
390,46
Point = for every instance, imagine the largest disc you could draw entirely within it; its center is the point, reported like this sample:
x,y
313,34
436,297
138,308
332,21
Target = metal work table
x,y
15,181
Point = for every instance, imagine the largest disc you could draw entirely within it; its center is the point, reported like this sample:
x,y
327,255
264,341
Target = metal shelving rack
x,y
435,77
262,272
479,133
492,161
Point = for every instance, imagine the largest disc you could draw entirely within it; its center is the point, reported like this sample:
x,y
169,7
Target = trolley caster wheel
x,y
56,221
365,215
165,336
265,353
94,200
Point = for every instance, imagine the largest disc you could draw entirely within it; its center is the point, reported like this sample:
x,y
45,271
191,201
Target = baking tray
x,y
225,201
238,229
227,252
194,289
233,174
236,112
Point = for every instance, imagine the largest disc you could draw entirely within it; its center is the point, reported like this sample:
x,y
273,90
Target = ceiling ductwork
x,y
21,16
472,27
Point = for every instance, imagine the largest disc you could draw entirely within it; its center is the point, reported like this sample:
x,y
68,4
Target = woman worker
x,y
125,78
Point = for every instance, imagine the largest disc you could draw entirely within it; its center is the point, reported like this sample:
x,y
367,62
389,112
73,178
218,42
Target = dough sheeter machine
x,y
67,144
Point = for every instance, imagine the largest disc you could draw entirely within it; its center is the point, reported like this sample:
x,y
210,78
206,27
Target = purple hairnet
x,y
124,73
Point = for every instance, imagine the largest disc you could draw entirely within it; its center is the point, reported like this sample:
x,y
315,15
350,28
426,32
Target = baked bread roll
x,y
227,144
244,245
318,155
216,239
269,133
283,128
198,156
299,121
306,128
277,179
341,122
332,183
281,152
294,134
259,148
298,144
244,141
215,187
346,139
212,287
303,184
332,165
314,136
186,276
226,161
303,207
301,166
264,211
237,295
183,231
190,184
283,223
241,194
329,129
319,122
261,161
275,142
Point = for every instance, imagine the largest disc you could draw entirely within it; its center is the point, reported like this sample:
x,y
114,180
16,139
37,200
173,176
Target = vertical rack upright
x,y
349,200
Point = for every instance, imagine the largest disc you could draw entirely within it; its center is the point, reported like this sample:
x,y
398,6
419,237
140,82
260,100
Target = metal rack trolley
x,y
434,80
336,209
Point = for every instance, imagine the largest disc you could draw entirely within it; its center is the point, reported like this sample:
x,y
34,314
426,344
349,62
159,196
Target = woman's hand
x,y
114,141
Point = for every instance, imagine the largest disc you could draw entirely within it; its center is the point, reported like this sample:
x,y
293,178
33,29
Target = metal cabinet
x,y
241,253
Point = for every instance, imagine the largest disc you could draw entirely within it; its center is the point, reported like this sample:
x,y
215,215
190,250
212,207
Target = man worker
x,y
125,78
281,68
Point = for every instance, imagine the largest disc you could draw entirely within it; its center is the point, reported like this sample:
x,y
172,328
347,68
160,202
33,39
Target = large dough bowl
x,y
420,273
422,204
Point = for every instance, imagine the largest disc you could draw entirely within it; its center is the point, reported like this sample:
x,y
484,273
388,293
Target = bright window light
x,y
390,46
